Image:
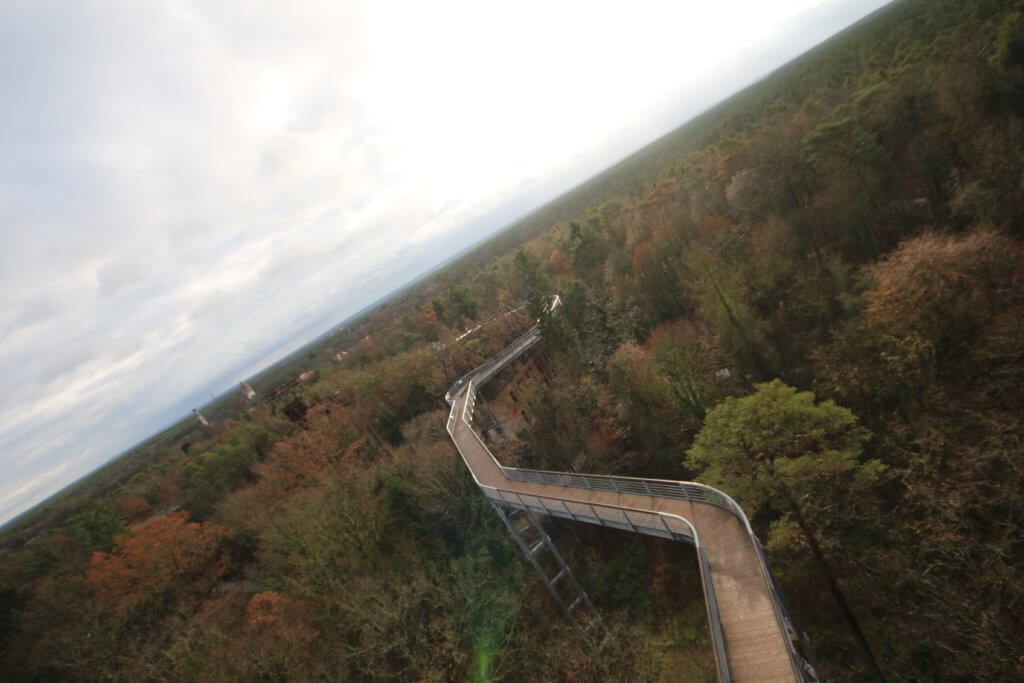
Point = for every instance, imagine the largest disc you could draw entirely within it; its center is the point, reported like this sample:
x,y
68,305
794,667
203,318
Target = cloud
x,y
191,189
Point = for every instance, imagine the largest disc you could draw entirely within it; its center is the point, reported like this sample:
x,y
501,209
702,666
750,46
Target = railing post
x,y
571,516
625,514
665,524
656,488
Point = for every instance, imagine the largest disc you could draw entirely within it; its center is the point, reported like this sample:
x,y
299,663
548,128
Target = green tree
x,y
536,285
94,526
777,448
439,311
586,247
211,475
462,304
850,154
389,426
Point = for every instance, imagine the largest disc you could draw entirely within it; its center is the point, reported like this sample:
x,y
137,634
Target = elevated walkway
x,y
753,639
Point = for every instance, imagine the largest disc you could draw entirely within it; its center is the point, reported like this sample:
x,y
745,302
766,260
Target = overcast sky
x,y
191,190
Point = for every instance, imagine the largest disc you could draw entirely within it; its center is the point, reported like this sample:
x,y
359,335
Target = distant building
x,y
199,416
308,374
247,391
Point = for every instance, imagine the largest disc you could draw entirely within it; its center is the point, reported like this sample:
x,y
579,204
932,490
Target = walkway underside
x,y
755,642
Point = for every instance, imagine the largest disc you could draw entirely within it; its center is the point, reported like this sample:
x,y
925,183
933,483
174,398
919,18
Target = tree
x,y
946,289
212,474
846,151
777,448
462,304
135,509
779,441
438,310
931,302
1009,50
536,284
94,526
389,426
586,244
156,556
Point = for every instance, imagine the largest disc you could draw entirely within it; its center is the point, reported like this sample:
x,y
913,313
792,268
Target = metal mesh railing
x,y
662,488
617,517
653,523
628,519
488,369
711,603
633,521
452,417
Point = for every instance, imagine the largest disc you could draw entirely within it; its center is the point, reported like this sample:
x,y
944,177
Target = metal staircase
x,y
753,634
541,552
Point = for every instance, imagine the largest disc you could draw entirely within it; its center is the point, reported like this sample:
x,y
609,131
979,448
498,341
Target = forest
x,y
811,297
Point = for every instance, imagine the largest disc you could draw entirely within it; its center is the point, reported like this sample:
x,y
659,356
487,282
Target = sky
x,y
191,190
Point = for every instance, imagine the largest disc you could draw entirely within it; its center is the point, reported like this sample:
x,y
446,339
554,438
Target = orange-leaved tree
x,y
164,553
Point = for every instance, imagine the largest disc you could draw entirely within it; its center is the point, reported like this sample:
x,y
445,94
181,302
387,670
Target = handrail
x,y
661,488
633,518
658,488
534,331
630,520
479,370
711,606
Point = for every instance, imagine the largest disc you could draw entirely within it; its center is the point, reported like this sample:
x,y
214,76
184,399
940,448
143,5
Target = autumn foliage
x,y
851,229
136,509
945,287
166,552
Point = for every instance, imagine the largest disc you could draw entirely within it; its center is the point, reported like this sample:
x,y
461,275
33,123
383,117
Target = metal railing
x,y
452,417
661,488
617,517
505,356
661,524
624,518
711,606
658,488
490,368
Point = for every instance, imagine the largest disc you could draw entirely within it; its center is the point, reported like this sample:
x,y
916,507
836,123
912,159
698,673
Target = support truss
x,y
540,551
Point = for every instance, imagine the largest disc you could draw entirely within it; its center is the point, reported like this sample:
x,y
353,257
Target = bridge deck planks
x,y
755,644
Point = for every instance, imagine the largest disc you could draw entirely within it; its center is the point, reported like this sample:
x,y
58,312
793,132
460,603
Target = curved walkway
x,y
748,626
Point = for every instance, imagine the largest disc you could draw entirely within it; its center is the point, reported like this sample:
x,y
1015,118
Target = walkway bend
x,y
753,639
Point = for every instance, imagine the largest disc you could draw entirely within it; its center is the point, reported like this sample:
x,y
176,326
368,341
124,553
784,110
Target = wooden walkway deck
x,y
755,643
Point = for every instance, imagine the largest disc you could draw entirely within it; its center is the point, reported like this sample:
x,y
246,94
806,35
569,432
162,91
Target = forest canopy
x,y
812,296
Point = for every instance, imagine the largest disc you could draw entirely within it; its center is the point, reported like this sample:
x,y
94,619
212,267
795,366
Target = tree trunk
x,y
837,593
